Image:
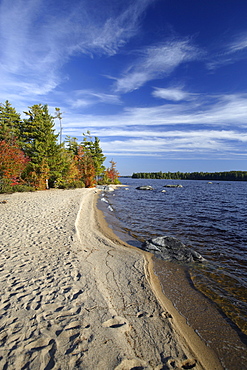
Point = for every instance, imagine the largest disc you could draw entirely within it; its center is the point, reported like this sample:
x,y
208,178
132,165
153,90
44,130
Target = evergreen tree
x,y
9,122
93,149
59,116
72,144
39,142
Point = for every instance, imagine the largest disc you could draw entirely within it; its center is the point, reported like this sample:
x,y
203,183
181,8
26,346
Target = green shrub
x,y
22,188
6,187
76,184
64,184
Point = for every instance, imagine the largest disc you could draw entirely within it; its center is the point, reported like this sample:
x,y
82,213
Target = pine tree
x,y
71,144
58,115
9,122
39,142
93,149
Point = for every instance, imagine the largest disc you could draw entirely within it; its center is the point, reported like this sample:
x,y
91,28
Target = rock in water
x,y
173,186
146,187
170,249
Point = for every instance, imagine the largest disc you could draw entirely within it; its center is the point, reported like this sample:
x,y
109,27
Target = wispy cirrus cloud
x,y
37,40
228,53
238,44
156,62
86,98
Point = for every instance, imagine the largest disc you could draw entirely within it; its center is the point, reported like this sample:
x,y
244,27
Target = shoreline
x,y
206,356
201,314
76,296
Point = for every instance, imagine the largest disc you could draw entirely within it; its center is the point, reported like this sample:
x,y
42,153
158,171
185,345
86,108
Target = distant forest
x,y
215,176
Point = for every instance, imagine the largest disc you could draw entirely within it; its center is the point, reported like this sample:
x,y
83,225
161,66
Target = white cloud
x,y
166,145
239,44
156,62
223,111
158,143
151,131
174,94
188,134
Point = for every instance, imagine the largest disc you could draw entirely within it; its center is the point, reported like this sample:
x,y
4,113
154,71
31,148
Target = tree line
x,y
32,158
214,176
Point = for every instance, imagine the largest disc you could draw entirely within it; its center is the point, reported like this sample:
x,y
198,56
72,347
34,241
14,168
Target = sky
x,y
161,83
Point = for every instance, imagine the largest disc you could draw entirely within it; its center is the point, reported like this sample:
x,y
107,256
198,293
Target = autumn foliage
x,y
12,162
30,154
111,173
86,167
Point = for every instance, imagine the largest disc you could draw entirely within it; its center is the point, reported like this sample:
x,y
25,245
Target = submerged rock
x,y
146,187
173,186
170,249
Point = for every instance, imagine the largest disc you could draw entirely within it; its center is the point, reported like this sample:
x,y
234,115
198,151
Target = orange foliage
x,y
38,174
111,173
86,167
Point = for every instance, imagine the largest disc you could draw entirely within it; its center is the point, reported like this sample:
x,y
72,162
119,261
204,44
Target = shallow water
x,y
210,218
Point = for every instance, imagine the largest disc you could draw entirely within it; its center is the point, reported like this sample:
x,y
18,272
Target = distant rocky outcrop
x,y
173,186
146,187
170,249
105,187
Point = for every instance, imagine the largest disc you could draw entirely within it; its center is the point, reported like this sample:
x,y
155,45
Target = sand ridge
x,y
73,297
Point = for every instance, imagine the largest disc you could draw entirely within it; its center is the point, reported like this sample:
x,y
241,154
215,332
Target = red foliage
x,y
12,162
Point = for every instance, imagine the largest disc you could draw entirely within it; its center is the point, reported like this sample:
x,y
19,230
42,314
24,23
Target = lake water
x,y
211,219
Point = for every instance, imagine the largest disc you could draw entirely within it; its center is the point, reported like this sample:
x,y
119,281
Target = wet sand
x,y
75,296
203,315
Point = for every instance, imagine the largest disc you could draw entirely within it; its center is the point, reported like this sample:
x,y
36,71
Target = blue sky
x,y
162,83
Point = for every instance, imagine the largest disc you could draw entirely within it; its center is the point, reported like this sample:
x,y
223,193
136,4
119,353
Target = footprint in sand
x,y
117,322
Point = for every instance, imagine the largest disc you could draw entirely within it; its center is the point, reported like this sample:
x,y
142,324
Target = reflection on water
x,y
225,290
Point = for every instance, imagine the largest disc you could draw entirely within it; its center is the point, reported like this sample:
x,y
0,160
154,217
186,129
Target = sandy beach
x,y
74,296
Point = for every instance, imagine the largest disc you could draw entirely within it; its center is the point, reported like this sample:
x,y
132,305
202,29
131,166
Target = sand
x,y
73,296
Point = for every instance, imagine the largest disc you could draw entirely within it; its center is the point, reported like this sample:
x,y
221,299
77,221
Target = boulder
x,y
146,187
170,249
